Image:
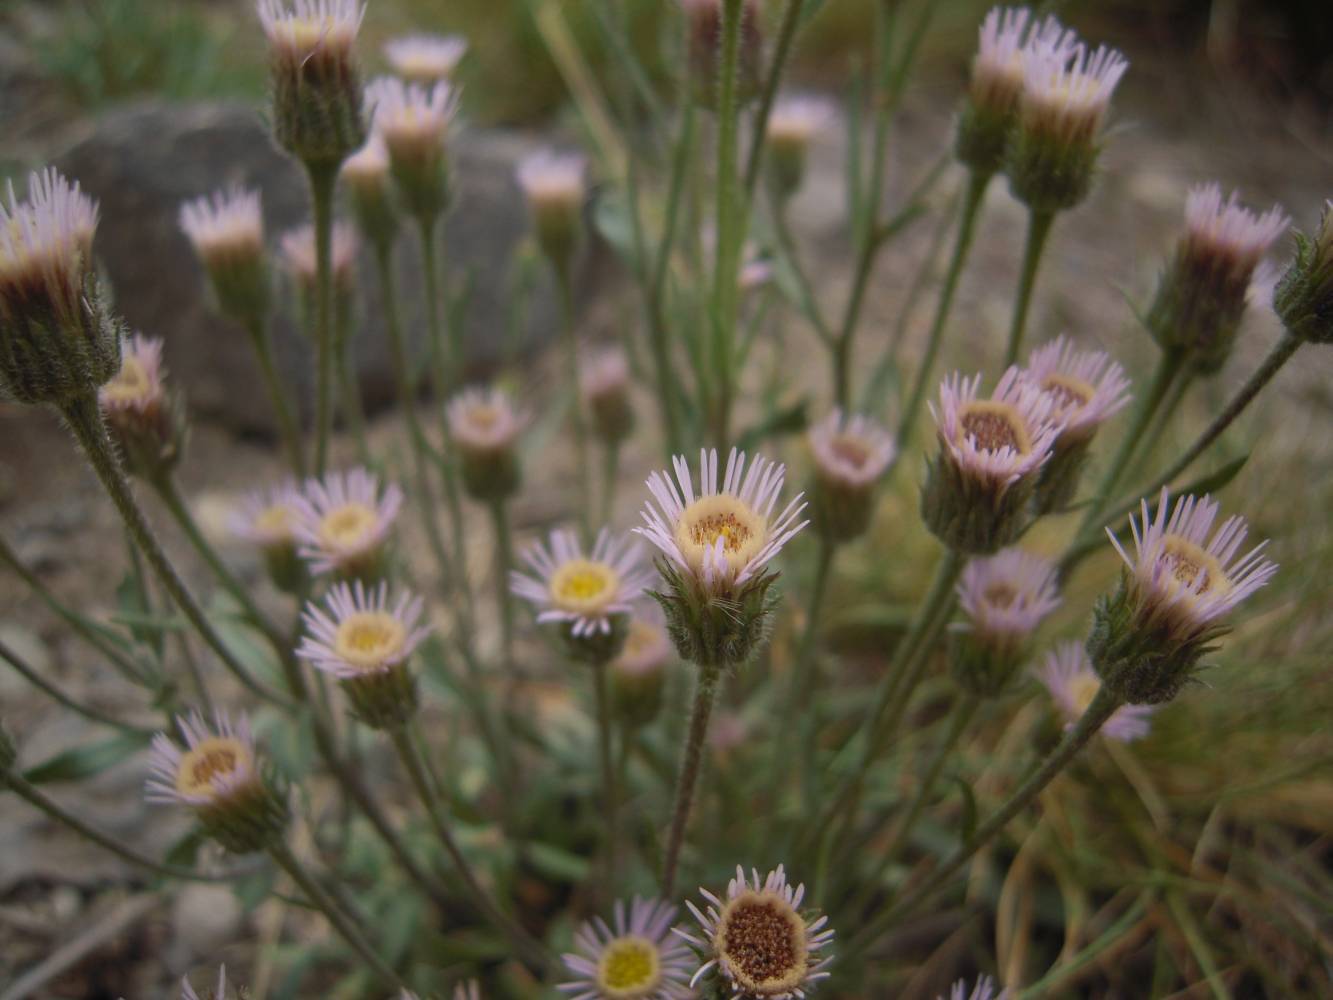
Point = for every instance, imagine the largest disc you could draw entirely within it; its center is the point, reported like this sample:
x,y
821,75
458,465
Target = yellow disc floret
x,y
1189,566
584,586
762,939
132,384
370,640
994,426
721,517
214,758
348,526
629,968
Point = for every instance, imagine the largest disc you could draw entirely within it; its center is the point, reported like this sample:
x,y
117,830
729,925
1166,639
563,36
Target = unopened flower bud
x,y
1149,637
1201,295
1004,597
227,231
147,423
485,427
604,383
1052,155
220,777
851,456
358,636
299,257
58,341
343,523
268,519
1086,389
793,122
414,121
704,47
554,186
1304,296
366,176
638,674
316,85
977,494
426,59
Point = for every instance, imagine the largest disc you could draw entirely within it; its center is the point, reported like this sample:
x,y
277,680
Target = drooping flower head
x,y
757,940
485,426
1202,293
604,383
1066,94
703,34
218,775
316,85
425,59
226,229
414,122
991,452
555,187
638,674
364,639
343,523
267,518
1086,388
635,957
851,454
219,991
366,175
143,419
1068,675
589,597
1004,598
983,990
1303,298
794,121
56,343
1182,581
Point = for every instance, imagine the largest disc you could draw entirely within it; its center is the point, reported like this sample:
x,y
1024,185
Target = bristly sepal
x,y
716,629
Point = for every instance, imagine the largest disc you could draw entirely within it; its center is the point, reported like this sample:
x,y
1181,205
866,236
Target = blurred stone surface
x,y
141,161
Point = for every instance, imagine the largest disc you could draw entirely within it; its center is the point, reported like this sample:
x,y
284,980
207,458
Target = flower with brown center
x,y
851,454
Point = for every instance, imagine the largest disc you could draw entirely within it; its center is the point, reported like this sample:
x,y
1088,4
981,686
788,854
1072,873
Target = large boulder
x,y
141,161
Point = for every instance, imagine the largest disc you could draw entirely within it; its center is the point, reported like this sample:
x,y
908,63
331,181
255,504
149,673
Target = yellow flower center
x,y
629,968
484,416
367,639
994,426
131,384
725,518
851,449
1082,689
274,521
309,33
1070,394
583,586
762,939
348,526
1000,595
215,757
1192,567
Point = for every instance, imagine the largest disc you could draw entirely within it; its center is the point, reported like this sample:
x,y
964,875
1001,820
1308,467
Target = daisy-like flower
x,y
635,957
1303,298
219,991
425,59
983,990
604,383
267,518
792,124
851,454
1203,291
343,523
143,420
469,989
555,187
638,673
298,253
1066,94
414,121
218,776
316,86
1004,598
758,941
366,174
589,597
226,229
364,639
1181,584
1068,675
55,341
991,451
484,426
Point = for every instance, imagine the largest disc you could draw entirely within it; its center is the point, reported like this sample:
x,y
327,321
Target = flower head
x,y
485,427
635,957
425,59
267,518
1304,295
991,450
638,673
1068,675
983,990
555,187
757,939
1004,598
146,422
792,124
298,253
226,229
851,454
55,341
343,522
414,121
219,991
604,383
366,174
1183,580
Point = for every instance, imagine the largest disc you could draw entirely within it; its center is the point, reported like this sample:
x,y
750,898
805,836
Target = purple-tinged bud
x,y
147,423
414,122
1004,598
555,189
484,427
227,232
604,383
1304,295
792,124
851,455
366,176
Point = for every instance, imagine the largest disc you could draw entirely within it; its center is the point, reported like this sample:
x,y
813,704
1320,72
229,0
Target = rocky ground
x,y
104,932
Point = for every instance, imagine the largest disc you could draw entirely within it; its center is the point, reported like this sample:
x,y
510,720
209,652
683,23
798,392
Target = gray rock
x,y
141,161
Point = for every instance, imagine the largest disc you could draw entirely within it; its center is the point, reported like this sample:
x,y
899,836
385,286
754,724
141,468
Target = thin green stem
x,y
729,223
349,390
791,19
37,798
519,937
342,923
288,427
37,680
803,667
610,792
504,599
705,693
610,472
1039,228
977,184
85,421
577,425
323,181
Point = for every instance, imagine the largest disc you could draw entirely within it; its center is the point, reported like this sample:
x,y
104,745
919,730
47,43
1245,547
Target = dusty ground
x,y
53,888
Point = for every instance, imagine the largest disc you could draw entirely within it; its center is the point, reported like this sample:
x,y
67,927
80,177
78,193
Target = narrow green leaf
x,y
86,761
969,808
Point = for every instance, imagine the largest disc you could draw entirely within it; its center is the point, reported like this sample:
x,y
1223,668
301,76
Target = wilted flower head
x,y
219,991
1202,294
425,59
1304,295
1181,584
485,427
366,174
990,453
983,990
145,422
316,90
217,775
298,253
1066,94
1068,675
343,522
555,186
55,342
414,122
792,124
604,382
703,26
757,939
851,454
635,957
